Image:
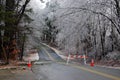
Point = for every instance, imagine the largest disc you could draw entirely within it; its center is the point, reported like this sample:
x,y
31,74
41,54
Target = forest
x,y
14,20
90,27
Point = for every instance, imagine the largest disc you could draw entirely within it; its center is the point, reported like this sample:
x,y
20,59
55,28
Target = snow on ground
x,y
31,57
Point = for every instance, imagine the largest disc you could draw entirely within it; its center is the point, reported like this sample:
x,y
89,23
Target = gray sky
x,y
37,5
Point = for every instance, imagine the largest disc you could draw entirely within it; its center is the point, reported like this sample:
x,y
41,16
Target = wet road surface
x,y
57,69
47,54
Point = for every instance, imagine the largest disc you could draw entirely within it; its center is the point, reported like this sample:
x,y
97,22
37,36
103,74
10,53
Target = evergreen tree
x,y
12,14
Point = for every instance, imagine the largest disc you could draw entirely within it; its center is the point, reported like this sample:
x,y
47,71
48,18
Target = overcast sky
x,y
37,4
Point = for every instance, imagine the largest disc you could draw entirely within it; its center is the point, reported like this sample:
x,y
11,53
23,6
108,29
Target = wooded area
x,y
90,27
13,13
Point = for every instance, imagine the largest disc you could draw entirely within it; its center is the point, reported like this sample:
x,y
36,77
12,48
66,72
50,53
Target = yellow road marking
x,y
49,55
93,71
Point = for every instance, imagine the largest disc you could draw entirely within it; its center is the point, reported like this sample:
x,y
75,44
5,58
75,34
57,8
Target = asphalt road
x,y
47,54
57,69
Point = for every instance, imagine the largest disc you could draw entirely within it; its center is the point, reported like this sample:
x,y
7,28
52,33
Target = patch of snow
x,y
31,57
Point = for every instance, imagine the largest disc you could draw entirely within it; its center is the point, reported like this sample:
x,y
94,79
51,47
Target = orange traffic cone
x,y
29,64
92,63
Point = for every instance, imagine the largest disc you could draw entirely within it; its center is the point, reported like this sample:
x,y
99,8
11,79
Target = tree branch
x,y
95,12
22,10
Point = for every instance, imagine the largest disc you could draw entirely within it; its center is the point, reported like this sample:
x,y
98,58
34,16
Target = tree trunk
x,y
22,50
117,6
9,26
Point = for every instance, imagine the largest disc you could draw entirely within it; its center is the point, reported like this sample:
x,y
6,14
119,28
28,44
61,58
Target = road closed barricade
x,y
74,56
70,56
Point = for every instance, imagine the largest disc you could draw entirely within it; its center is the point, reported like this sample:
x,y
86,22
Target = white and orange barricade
x,y
73,56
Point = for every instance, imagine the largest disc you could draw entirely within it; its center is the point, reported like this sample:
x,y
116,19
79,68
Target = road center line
x,y
49,55
94,71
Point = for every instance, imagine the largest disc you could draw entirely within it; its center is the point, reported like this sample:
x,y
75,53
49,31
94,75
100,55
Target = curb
x,y
118,68
19,65
110,67
13,67
8,68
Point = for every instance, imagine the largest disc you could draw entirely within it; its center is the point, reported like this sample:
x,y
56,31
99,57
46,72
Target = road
x,y
47,54
54,68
